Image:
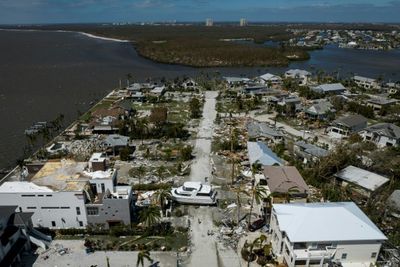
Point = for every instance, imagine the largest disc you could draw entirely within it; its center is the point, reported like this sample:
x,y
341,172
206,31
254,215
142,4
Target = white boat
x,y
194,193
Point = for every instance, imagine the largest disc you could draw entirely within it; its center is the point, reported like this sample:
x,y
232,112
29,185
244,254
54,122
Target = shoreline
x,y
65,31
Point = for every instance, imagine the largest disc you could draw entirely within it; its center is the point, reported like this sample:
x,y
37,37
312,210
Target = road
x,y
292,131
205,250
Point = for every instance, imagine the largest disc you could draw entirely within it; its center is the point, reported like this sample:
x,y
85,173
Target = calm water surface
x,y
43,74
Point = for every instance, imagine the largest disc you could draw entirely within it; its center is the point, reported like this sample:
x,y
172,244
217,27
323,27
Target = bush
x,y
151,187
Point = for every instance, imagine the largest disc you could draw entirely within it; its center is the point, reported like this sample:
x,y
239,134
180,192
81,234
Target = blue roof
x,y
259,151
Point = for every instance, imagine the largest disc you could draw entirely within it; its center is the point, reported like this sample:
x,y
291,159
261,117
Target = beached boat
x,y
194,193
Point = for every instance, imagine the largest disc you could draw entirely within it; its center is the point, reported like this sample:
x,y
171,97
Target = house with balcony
x,y
380,102
382,134
69,194
269,79
14,238
366,83
320,110
321,234
347,125
301,76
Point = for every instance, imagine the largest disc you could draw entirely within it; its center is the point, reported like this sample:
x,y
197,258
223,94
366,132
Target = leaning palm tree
x,y
239,190
141,171
258,193
163,196
143,254
150,216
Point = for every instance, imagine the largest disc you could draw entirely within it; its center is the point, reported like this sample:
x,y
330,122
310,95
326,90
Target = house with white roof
x,y
362,181
69,194
301,76
269,78
366,83
319,234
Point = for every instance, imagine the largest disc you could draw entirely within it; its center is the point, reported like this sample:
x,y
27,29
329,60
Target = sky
x,y
76,11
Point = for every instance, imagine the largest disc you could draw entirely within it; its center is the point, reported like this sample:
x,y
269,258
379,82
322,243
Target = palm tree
x,y
160,172
162,197
141,170
149,216
239,190
143,254
258,193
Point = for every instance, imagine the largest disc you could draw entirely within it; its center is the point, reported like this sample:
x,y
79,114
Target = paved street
x,y
205,250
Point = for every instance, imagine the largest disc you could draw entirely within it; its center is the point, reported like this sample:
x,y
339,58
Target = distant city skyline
x,y
86,11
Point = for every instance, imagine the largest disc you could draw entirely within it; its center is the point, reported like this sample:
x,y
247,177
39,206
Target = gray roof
x,y
382,101
259,151
394,200
364,79
331,87
261,129
313,150
385,129
113,140
320,108
363,178
351,120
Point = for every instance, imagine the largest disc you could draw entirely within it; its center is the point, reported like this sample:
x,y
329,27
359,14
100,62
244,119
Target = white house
x,y
69,194
366,83
302,76
382,134
317,234
269,78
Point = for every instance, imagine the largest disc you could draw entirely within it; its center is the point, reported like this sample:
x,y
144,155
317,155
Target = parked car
x,y
258,224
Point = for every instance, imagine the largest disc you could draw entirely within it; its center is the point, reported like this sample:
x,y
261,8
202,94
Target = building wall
x,y
359,252
111,210
380,141
59,208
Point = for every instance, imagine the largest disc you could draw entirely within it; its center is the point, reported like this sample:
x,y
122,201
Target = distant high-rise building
x,y
243,22
209,22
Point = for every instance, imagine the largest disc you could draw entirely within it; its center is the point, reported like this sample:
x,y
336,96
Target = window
x,y
92,210
49,208
40,195
53,223
27,195
49,195
78,211
373,255
64,208
31,208
344,256
103,189
80,223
